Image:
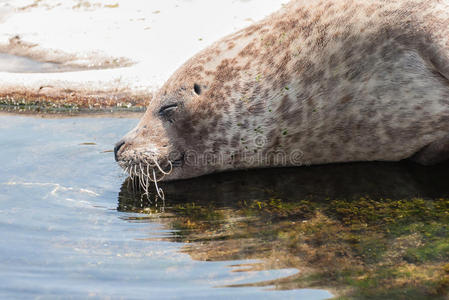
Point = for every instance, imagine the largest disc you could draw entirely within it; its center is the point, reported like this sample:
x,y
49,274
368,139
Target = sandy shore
x,y
103,55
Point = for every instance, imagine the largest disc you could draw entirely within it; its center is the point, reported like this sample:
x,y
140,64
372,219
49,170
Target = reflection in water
x,y
373,230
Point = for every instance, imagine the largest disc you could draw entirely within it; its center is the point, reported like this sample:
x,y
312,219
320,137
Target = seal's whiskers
x,y
146,171
160,169
159,191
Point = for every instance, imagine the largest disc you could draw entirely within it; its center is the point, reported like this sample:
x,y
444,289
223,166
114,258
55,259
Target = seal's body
x,y
317,82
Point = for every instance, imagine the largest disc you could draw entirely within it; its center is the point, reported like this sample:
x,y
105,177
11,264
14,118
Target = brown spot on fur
x,y
284,106
346,99
249,50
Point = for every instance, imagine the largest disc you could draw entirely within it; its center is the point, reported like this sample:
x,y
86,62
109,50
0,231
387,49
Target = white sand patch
x,y
150,39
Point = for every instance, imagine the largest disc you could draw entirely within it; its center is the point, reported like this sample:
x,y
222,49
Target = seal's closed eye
x,y
167,108
166,111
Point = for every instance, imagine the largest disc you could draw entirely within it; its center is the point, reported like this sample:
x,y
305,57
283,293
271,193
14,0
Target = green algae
x,y
24,106
20,105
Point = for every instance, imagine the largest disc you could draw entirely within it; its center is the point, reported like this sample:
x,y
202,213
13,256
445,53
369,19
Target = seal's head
x,y
175,127
213,114
189,129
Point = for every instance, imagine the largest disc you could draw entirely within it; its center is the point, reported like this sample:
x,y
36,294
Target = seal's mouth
x,y
148,170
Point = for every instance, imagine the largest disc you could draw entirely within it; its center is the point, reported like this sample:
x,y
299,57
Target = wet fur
x,y
339,80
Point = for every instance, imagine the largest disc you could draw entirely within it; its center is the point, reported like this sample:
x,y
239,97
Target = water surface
x,y
66,229
71,224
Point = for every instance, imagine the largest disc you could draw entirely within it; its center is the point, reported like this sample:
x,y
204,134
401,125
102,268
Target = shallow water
x,y
70,227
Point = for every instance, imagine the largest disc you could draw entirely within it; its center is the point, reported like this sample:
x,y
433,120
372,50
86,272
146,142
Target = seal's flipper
x,y
433,153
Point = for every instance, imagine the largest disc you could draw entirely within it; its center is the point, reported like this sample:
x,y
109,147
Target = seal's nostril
x,y
117,148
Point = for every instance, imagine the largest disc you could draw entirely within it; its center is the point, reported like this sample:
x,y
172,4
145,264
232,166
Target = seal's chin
x,y
151,168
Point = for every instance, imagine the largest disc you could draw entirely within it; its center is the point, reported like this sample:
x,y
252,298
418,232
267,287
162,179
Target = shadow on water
x,y
374,230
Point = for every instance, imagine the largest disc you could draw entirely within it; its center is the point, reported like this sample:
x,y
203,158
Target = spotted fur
x,y
325,81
